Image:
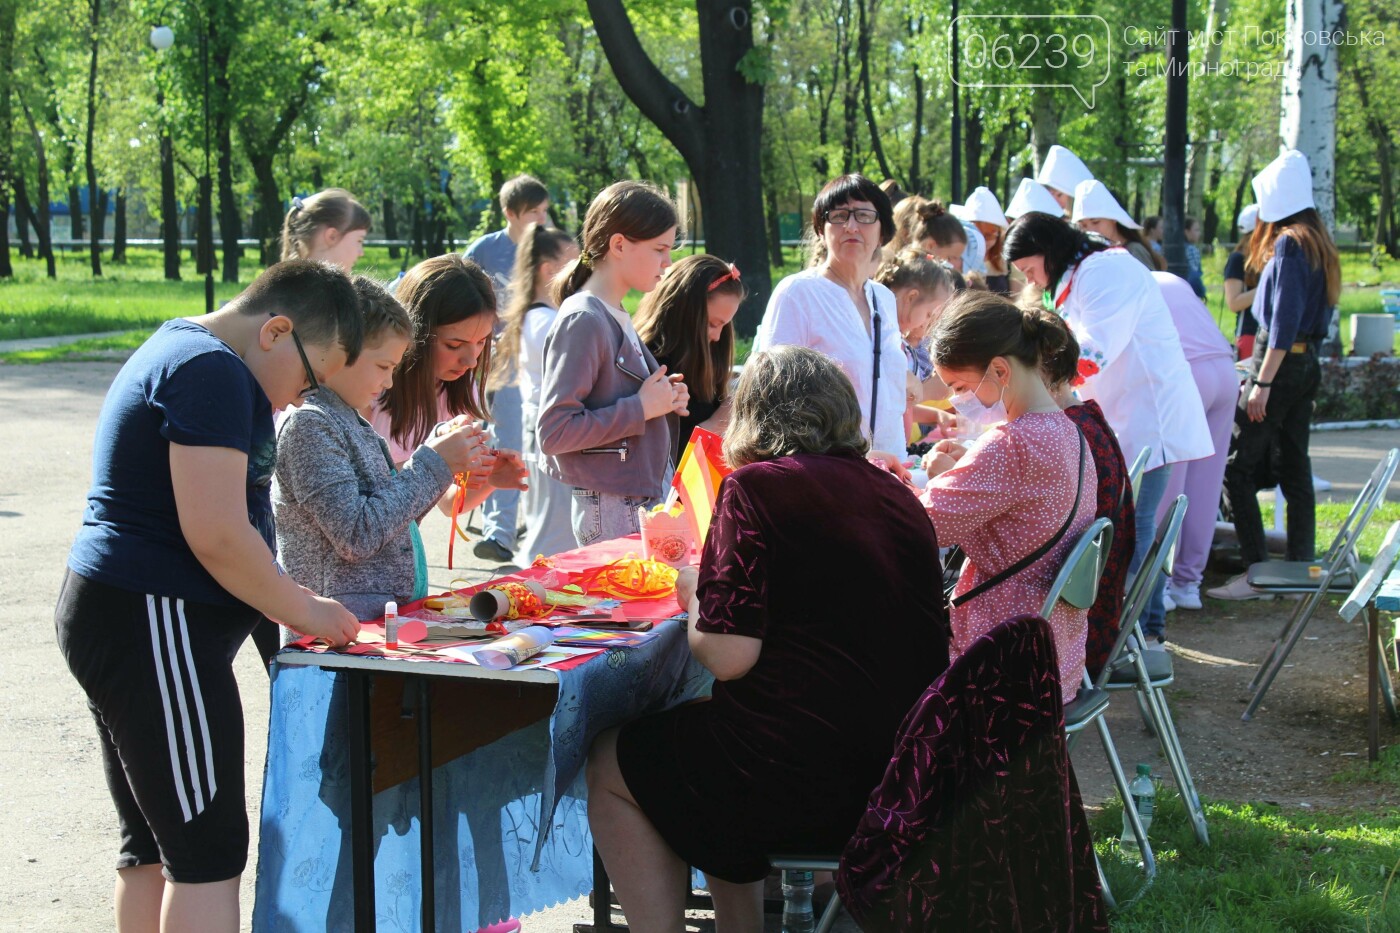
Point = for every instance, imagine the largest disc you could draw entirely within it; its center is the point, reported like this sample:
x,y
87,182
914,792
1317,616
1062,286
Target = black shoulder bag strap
x,y
875,379
1039,552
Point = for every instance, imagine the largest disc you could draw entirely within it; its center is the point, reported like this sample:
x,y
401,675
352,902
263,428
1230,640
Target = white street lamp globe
x,y
162,38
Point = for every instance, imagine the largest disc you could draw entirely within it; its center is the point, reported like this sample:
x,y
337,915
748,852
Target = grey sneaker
x,y
1237,588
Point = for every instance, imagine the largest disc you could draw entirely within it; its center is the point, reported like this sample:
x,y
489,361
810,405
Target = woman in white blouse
x,y
1130,358
836,307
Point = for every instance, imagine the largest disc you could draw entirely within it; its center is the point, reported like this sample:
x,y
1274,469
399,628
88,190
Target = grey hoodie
x,y
342,513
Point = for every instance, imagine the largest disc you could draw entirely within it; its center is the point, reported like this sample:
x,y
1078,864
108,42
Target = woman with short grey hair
x,y
811,685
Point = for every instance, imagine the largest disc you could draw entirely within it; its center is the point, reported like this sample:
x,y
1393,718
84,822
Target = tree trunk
x,y
1240,191
775,227
850,99
1308,107
77,225
1045,123
720,143
269,210
916,142
1385,150
1200,150
972,146
391,227
24,217
866,10
119,228
169,209
1210,224
7,162
94,21
230,217
43,224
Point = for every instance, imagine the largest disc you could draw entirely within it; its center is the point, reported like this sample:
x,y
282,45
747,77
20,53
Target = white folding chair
x,y
1363,598
1341,569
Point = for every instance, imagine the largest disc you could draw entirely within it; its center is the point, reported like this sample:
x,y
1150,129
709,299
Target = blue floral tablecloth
x,y
492,859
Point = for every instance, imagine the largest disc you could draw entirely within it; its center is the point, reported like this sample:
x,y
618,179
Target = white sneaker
x,y
1186,596
1168,604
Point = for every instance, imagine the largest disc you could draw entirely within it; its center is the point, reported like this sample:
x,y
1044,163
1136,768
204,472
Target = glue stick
x,y
391,625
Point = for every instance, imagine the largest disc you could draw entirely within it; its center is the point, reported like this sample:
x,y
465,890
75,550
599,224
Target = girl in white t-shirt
x,y
519,357
329,226
838,308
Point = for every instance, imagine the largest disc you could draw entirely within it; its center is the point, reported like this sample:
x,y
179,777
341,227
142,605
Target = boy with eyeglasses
x,y
172,569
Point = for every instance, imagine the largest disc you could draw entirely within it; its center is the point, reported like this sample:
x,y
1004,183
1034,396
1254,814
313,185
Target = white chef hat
x,y
1092,200
1285,187
983,205
1248,219
1032,196
1063,170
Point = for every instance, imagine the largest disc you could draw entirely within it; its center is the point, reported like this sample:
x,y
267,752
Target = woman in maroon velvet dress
x,y
819,610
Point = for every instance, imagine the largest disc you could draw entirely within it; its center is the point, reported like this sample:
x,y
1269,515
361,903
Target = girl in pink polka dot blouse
x,y
1028,477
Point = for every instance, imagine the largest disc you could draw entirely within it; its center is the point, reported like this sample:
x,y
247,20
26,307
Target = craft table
x,y
1376,592
499,754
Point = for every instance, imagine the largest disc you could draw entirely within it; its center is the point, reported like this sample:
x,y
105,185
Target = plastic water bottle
x,y
797,902
1144,799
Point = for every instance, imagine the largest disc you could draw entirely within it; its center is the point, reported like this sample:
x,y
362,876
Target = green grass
x,y
128,296
1330,516
93,349
1267,869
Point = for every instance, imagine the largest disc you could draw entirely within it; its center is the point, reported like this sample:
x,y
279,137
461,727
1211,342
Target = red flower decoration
x,y
1088,368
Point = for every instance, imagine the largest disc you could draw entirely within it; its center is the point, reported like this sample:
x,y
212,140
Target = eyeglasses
x,y
733,274
312,386
862,215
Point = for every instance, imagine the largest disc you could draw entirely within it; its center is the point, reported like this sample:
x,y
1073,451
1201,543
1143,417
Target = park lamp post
x,y
162,38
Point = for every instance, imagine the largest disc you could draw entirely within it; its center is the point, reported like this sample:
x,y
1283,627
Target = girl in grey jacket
x,y
608,411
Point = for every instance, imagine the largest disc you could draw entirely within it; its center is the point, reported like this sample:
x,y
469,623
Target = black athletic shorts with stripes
x,y
158,673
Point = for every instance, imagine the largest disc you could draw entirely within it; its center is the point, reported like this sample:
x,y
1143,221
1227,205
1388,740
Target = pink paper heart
x,y
412,631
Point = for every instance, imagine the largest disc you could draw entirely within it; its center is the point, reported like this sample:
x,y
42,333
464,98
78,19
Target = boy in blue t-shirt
x,y
173,567
525,200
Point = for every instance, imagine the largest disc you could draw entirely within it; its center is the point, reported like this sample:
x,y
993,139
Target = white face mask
x,y
974,414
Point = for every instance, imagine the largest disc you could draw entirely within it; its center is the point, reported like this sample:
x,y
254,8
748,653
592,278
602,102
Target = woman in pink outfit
x,y
1018,498
1212,363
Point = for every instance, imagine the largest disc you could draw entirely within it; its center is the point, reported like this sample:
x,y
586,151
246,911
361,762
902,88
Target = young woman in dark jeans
x,y
1299,281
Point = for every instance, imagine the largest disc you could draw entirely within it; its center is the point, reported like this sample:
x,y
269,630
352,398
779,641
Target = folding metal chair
x,y
1135,471
1148,673
1077,583
1341,569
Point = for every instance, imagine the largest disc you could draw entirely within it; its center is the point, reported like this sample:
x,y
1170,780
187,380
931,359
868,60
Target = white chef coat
x,y
1143,383
809,310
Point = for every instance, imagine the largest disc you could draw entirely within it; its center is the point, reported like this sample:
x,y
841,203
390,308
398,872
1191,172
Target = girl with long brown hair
x,y
1299,283
606,424
441,383
688,324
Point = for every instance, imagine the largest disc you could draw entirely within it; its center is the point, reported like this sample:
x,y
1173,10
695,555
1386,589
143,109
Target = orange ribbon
x,y
629,578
